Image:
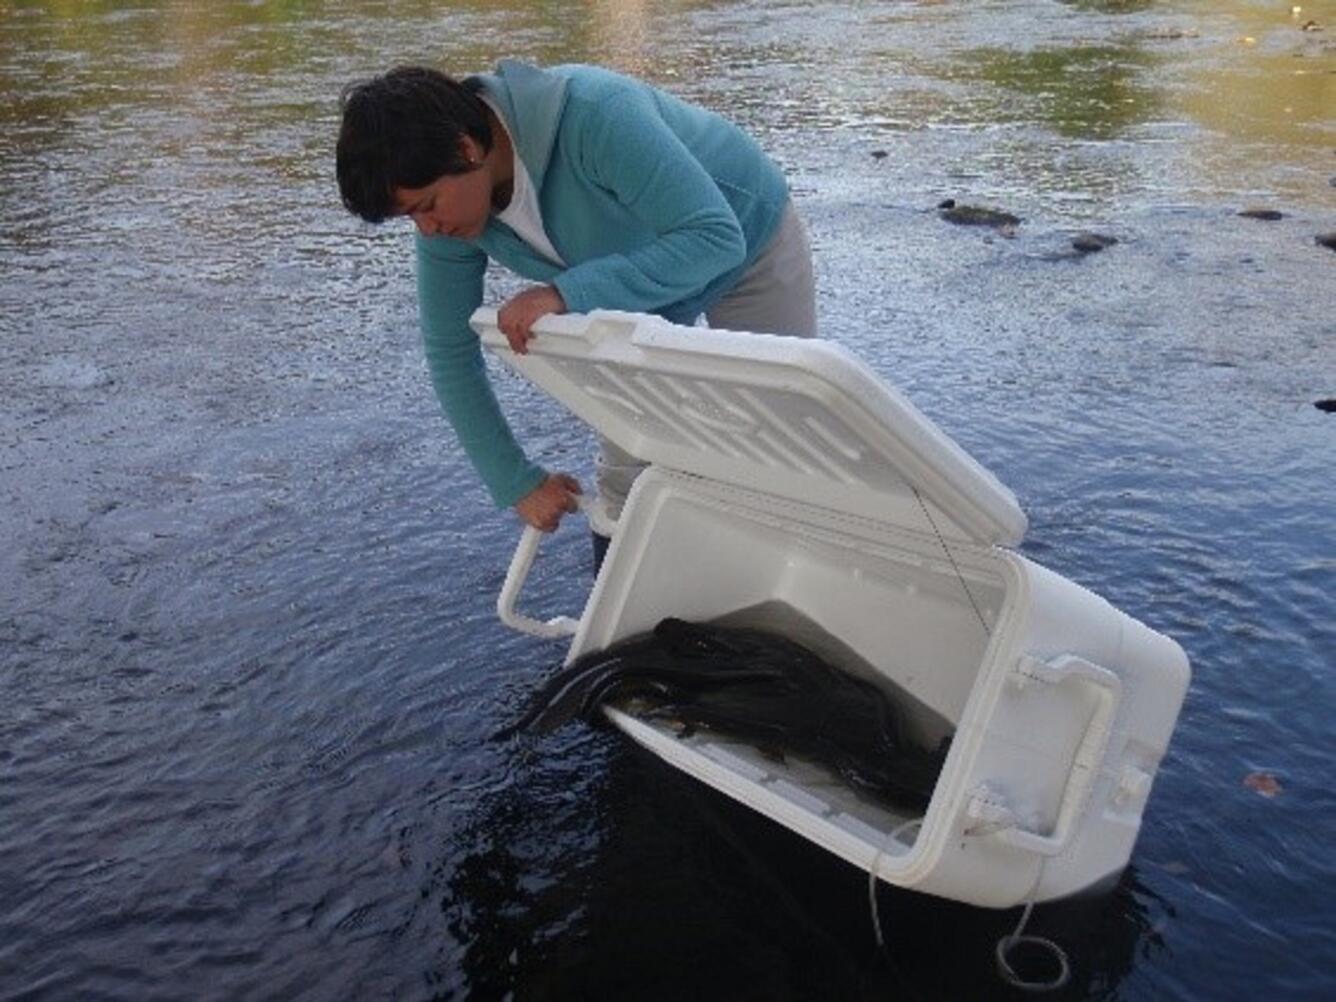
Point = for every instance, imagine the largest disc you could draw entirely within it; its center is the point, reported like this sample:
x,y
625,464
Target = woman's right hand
x,y
544,506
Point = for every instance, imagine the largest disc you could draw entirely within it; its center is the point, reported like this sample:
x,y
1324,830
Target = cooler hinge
x,y
1031,669
989,811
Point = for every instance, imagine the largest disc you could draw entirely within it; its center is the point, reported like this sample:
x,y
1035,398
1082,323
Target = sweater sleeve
x,y
626,148
450,283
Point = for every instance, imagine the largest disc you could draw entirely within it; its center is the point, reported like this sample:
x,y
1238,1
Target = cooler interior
x,y
888,610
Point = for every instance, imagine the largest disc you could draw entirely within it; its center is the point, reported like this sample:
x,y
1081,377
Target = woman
x,y
608,192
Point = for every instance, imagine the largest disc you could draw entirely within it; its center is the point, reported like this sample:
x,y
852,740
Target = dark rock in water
x,y
1327,406
1089,243
947,203
973,215
879,154
1327,240
1269,215
748,685
1170,34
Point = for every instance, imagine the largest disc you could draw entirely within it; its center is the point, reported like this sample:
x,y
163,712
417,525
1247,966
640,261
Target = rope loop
x,y
1008,973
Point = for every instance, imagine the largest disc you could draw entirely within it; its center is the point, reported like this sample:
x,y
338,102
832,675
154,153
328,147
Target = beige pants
x,y
777,295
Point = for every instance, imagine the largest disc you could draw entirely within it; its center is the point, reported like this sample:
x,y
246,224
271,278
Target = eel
x,y
750,685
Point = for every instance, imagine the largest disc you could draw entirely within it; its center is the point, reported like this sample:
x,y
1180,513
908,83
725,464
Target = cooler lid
x,y
798,418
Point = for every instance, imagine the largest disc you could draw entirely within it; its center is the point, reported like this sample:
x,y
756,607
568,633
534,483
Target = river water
x,y
248,659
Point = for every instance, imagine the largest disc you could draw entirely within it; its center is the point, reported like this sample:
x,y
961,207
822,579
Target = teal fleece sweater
x,y
655,205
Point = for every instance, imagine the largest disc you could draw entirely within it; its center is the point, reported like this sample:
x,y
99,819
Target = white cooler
x,y
789,483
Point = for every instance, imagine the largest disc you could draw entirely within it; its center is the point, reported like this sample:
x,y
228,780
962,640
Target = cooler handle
x,y
520,565
1089,753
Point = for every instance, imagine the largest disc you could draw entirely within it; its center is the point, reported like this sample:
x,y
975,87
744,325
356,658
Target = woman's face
x,y
454,205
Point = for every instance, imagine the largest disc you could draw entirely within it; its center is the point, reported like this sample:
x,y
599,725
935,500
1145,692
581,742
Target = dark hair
x,y
403,130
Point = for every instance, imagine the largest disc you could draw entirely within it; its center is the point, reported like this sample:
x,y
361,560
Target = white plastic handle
x,y
520,565
1089,753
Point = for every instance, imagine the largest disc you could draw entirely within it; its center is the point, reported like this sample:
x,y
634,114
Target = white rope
x,y
872,878
954,566
1007,943
1004,945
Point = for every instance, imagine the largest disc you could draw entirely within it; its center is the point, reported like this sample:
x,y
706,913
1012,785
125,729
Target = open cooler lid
x,y
798,418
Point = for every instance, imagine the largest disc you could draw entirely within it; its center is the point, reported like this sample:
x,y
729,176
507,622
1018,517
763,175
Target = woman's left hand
x,y
518,315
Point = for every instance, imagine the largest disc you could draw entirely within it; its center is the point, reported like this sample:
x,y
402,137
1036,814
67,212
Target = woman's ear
x,y
471,150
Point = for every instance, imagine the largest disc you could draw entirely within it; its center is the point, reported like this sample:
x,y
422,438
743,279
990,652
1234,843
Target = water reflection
x,y
569,887
1265,92
1082,92
623,30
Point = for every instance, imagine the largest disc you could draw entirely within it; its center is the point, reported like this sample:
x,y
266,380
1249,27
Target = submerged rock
x,y
1268,215
1090,243
974,215
1264,783
1170,34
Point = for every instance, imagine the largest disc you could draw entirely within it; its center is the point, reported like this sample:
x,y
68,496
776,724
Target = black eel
x,y
751,685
